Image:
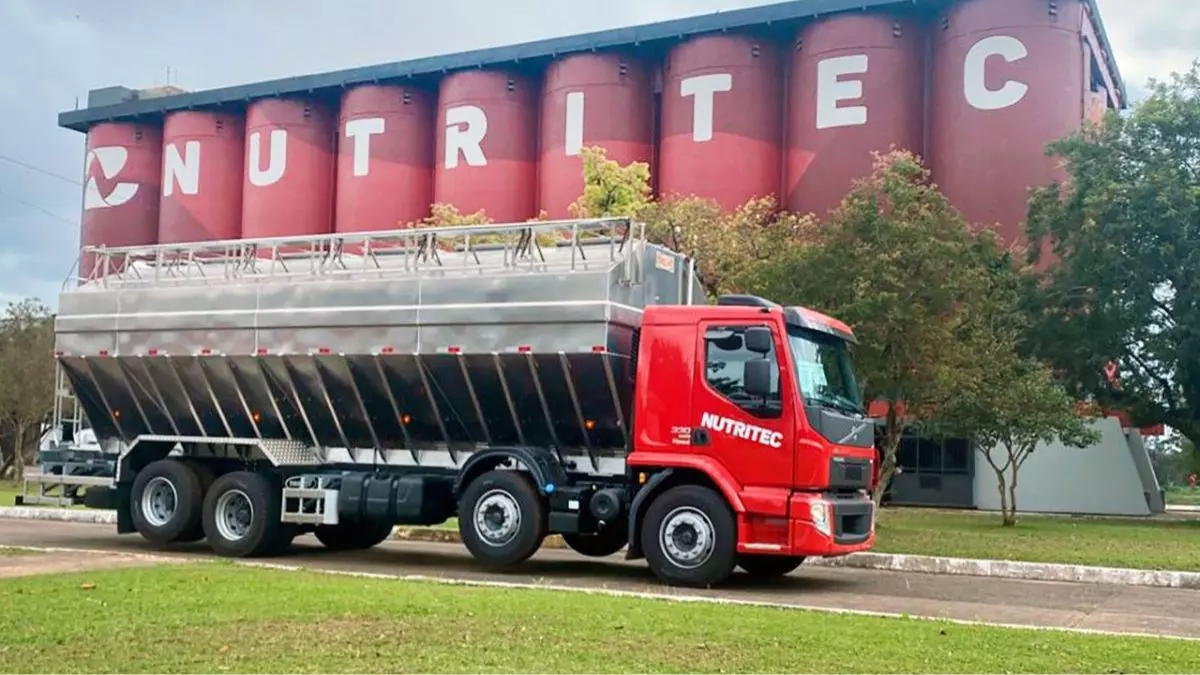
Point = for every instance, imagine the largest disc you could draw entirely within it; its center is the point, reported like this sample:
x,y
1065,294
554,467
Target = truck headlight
x,y
820,517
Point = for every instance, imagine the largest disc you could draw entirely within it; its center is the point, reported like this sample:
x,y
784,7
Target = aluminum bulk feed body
x,y
419,355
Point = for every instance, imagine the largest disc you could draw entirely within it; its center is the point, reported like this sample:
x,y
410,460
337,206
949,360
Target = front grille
x,y
849,474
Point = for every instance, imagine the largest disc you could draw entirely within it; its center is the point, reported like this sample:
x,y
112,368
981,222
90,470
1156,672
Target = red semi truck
x,y
530,379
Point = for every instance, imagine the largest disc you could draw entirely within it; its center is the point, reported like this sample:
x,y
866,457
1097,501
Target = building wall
x,y
1103,479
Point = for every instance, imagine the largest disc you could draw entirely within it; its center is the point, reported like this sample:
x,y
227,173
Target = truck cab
x,y
762,402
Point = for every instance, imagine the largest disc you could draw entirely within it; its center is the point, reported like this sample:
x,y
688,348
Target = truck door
x,y
755,441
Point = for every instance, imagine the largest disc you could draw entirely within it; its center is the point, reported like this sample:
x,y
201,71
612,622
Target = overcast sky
x,y
54,51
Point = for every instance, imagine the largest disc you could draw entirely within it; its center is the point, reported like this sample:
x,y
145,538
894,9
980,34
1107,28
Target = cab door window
x,y
725,357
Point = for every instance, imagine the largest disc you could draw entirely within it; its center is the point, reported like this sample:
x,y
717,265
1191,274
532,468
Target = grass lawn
x,y
1185,496
219,617
1149,544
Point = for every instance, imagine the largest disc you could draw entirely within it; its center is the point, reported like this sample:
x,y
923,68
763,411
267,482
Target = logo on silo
x,y
110,161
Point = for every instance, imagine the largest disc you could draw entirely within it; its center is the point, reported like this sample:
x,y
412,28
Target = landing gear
x,y
689,537
502,519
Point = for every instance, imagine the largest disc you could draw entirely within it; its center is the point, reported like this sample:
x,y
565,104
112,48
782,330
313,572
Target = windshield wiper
x,y
837,402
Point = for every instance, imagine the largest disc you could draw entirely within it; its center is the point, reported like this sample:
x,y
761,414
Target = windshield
x,y
824,371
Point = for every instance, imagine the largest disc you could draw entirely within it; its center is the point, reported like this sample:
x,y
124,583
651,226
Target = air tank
x,y
289,169
722,120
122,174
601,100
487,144
856,86
1007,80
385,158
203,160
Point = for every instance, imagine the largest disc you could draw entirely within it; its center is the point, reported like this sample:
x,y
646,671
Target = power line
x,y
27,165
35,207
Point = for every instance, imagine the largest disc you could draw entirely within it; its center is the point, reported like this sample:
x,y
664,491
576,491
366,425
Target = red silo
x,y
856,86
203,160
487,144
1007,80
289,169
722,120
385,158
602,100
122,174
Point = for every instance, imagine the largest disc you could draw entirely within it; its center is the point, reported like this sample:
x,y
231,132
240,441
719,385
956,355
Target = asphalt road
x,y
1027,603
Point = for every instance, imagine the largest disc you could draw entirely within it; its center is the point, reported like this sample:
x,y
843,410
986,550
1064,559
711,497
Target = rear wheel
x,y
352,536
241,516
769,566
166,501
602,544
689,536
502,518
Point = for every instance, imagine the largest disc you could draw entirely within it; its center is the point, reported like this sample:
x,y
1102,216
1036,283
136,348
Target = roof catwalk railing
x,y
536,246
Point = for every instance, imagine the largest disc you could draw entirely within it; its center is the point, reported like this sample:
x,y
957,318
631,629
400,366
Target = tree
x,y
897,263
1118,314
1014,407
609,189
726,247
27,386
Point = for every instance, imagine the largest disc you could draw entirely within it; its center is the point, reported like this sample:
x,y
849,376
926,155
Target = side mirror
x,y
758,340
757,374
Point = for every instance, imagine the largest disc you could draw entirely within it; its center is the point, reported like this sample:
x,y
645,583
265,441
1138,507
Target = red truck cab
x,y
762,402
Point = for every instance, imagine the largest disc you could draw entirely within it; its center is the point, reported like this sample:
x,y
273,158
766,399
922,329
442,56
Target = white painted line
x,y
680,597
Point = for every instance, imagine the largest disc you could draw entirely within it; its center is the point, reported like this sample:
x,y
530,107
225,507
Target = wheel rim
x,y
159,501
688,537
234,515
497,518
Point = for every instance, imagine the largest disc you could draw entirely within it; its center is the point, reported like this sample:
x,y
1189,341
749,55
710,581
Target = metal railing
x,y
563,245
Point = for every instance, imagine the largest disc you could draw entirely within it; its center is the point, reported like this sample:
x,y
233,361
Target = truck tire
x,y
166,501
206,475
689,537
241,516
600,545
502,518
769,566
352,536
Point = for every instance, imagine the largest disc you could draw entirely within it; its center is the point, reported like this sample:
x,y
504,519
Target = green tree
x,y
726,247
1118,314
897,263
1013,407
609,189
27,386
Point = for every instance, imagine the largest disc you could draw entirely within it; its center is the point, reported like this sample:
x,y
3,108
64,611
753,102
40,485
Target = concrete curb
x,y
1011,569
69,515
997,569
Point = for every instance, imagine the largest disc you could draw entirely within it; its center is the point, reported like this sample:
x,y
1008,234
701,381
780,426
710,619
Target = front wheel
x,y
689,537
501,518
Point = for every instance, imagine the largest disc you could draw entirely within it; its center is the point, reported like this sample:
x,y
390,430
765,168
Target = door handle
x,y
699,436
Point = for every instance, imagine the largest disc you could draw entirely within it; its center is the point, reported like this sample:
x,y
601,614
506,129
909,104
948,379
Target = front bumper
x,y
825,525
